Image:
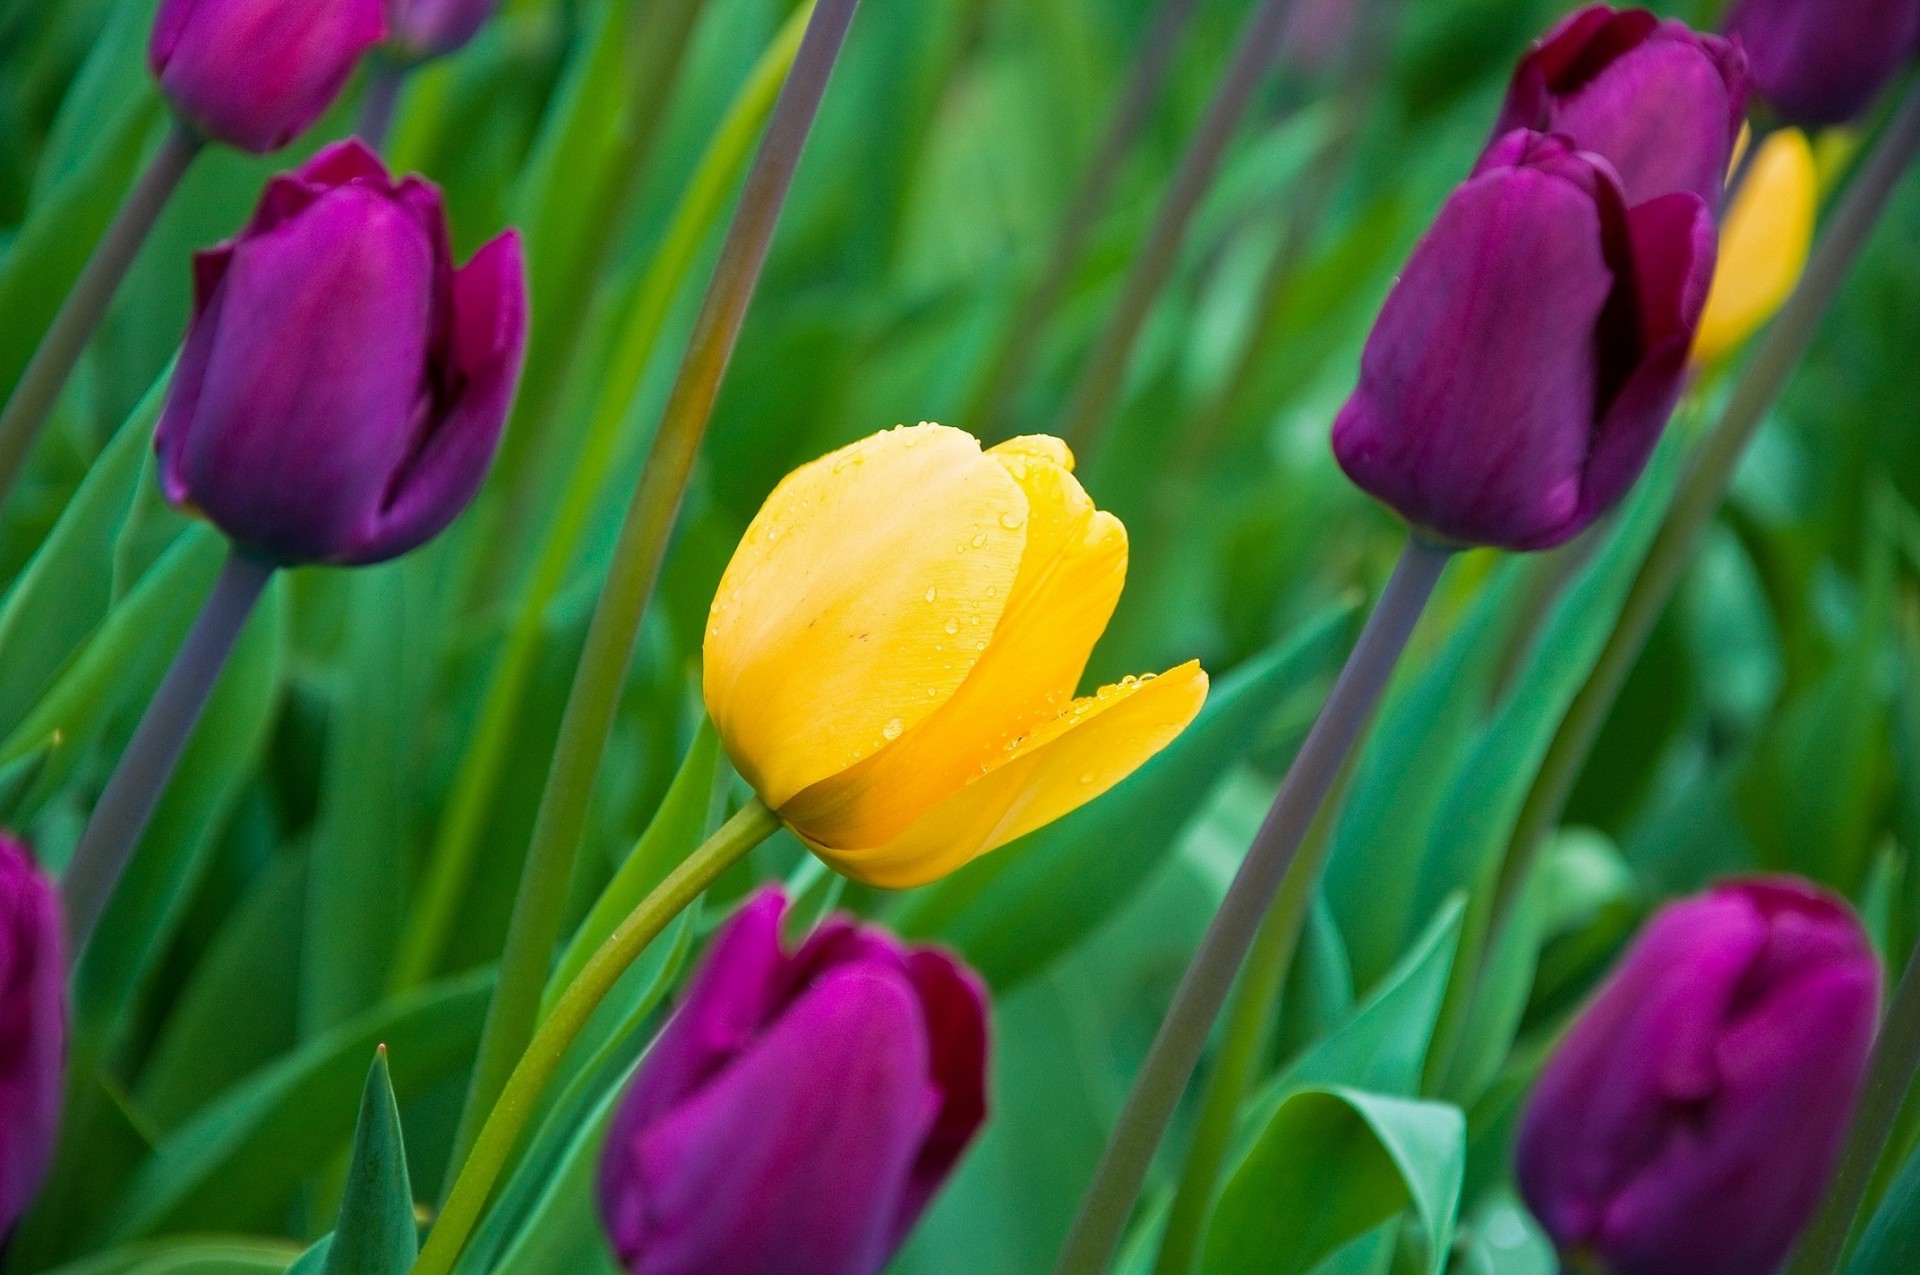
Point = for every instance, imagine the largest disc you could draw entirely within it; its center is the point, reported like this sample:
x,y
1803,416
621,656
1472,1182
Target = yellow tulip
x,y
892,655
1763,245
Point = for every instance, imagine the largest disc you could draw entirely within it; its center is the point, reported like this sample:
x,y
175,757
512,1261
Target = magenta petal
x,y
770,1170
33,1027
954,1001
1823,62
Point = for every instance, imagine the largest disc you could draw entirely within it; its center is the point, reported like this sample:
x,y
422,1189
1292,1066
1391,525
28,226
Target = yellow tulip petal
x,y
1763,245
1069,583
1077,757
1041,447
829,636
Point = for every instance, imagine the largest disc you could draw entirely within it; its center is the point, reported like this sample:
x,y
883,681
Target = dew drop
x,y
980,645
933,592
953,626
979,538
1086,779
1012,521
893,728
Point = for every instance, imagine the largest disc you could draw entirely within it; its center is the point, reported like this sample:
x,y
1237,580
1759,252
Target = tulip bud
x,y
255,73
343,387
1661,103
1821,62
799,1111
1688,1122
1524,365
892,653
33,1027
422,29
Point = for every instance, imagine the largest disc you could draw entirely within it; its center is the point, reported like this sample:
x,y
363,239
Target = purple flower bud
x,y
33,1027
421,29
799,1111
255,73
1689,1120
343,387
1821,62
1663,104
1527,360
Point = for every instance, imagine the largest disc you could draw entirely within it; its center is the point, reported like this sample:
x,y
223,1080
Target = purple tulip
x,y
33,1027
343,387
421,29
800,1111
255,73
1527,360
1821,62
1662,103
1689,1121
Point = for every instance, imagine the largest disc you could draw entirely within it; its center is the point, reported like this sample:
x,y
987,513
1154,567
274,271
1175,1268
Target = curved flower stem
x,y
1007,366
541,901
60,349
548,1048
1249,1032
385,78
131,794
1104,375
1183,1035
477,779
1896,1058
1705,487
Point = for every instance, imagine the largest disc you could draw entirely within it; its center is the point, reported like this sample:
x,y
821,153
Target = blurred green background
x,y
227,1016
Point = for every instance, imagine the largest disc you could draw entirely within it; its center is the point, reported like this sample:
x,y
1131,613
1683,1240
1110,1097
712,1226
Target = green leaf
x,y
677,828
187,1255
67,587
238,1160
1329,1166
1012,912
1891,1242
172,855
376,1234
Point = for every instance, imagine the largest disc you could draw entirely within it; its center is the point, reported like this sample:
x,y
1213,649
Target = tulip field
x,y
968,637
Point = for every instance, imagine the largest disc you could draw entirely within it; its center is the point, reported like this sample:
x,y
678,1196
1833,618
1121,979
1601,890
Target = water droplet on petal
x,y
933,592
953,626
1012,521
893,728
979,538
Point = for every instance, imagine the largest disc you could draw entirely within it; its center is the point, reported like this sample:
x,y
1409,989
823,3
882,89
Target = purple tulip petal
x,y
33,1027
1823,62
954,1002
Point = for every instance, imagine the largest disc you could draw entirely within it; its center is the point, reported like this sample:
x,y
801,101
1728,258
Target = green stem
x,y
537,1067
1007,366
1104,375
1705,488
541,902
66,339
1248,1035
1896,1058
378,100
477,780
1183,1034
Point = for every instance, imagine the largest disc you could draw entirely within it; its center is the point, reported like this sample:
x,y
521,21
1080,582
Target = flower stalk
x,y
80,314
540,904
1183,1034
128,802
536,1068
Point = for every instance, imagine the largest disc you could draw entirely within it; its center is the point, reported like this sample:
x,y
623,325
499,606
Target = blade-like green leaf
x,y
376,1234
1013,911
178,1255
1329,1166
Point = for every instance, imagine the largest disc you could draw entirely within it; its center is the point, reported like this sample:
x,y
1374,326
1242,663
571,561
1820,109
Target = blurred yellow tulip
x,y
892,655
1763,244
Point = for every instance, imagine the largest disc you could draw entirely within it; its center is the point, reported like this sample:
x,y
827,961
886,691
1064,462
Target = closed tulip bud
x,y
892,654
1659,102
255,73
343,387
800,1110
1821,62
1688,1122
421,29
1526,362
33,1027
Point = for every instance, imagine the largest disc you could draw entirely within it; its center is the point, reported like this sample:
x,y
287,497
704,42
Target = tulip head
x,y
1661,103
1688,1122
255,73
801,1109
1822,62
343,387
33,1027
892,654
1764,242
1527,359
422,29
